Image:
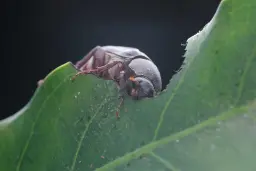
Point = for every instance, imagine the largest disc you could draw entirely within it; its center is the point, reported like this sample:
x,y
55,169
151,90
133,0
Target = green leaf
x,y
204,120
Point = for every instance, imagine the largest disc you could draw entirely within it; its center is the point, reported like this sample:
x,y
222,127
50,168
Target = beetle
x,y
124,65
132,70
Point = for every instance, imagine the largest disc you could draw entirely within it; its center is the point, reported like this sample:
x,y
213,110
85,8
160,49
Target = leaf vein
x,y
167,104
153,145
35,121
83,135
242,80
166,163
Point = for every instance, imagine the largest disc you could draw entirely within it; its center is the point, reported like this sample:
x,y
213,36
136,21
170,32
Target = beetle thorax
x,y
147,69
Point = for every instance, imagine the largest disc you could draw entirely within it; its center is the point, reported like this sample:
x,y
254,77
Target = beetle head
x,y
140,87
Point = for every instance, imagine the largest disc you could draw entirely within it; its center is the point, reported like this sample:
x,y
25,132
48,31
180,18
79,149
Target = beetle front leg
x,y
87,57
119,106
107,66
97,70
80,73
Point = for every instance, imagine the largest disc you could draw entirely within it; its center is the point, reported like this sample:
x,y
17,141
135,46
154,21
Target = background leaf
x,y
198,123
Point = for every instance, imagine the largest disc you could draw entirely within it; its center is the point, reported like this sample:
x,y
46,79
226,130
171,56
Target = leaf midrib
x,y
151,146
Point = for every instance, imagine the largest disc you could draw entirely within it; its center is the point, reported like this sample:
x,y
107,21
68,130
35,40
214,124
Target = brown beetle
x,y
132,70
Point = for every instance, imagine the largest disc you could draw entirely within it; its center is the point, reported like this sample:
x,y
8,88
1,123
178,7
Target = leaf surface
x,y
204,120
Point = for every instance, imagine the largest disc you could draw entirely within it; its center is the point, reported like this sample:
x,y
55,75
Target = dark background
x,y
38,36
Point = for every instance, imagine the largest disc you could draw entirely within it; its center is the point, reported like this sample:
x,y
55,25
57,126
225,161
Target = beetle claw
x,y
117,115
119,106
80,73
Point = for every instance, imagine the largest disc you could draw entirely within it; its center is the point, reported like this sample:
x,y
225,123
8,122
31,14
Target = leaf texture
x,y
204,120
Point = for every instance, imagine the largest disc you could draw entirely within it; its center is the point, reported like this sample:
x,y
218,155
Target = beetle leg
x,y
107,66
119,106
87,57
98,69
80,73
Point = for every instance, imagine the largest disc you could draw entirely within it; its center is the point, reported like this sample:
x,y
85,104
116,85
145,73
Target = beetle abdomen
x,y
125,52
